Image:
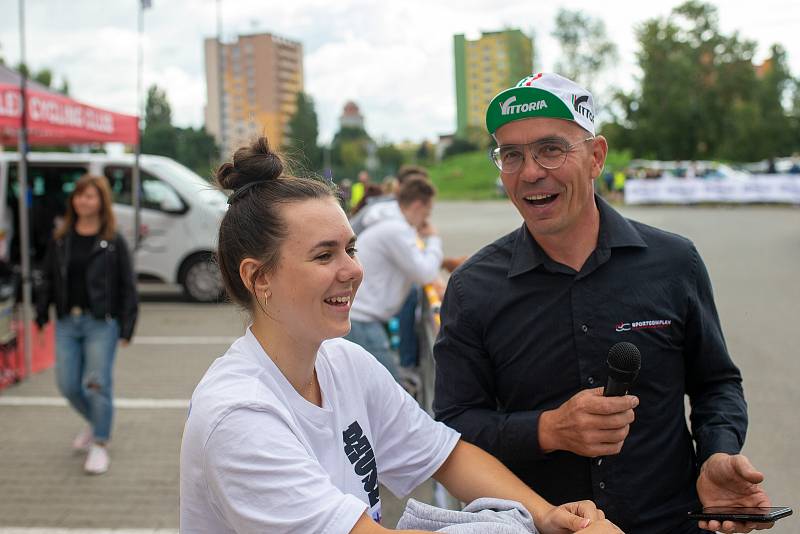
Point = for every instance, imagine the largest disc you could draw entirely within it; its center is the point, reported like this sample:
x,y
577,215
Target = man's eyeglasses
x,y
550,153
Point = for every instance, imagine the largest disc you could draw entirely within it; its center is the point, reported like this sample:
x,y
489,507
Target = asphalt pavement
x,y
753,257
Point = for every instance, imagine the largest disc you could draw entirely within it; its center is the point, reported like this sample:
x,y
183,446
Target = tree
x,y
43,77
700,95
391,158
303,132
193,147
479,137
349,151
774,84
157,109
197,150
159,136
795,115
424,153
459,146
585,48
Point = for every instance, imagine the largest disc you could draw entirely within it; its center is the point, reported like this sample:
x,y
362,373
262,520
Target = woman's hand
x,y
580,516
603,526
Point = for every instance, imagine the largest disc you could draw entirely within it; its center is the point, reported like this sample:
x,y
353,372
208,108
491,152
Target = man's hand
x,y
727,480
450,264
588,424
580,516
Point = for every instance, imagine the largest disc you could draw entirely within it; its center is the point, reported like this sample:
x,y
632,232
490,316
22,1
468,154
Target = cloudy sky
x,y
394,58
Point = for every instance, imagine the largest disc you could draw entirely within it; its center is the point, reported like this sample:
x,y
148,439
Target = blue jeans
x,y
409,346
372,336
85,350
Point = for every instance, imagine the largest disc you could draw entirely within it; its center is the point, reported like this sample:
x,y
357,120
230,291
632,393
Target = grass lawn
x,y
469,176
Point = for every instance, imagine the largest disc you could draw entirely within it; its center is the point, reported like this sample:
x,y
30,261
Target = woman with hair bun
x,y
293,428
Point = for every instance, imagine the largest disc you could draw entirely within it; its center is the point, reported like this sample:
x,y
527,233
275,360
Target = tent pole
x,y
24,203
136,179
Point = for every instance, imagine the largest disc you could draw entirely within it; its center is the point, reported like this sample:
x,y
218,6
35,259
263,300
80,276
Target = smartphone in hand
x,y
763,514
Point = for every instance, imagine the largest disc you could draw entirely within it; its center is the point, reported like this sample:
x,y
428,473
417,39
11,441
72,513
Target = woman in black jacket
x,y
88,274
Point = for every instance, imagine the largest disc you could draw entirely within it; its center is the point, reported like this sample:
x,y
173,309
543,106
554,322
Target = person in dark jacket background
x,y
88,274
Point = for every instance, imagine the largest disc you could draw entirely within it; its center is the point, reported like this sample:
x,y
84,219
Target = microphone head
x,y
625,357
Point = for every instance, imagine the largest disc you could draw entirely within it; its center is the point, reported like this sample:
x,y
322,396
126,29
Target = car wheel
x,y
202,281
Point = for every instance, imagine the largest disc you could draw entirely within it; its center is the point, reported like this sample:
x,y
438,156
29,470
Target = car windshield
x,y
205,189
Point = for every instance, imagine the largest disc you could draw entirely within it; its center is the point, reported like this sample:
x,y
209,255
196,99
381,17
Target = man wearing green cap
x,y
527,323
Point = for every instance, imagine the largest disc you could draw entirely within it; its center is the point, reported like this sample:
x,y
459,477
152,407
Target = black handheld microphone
x,y
624,362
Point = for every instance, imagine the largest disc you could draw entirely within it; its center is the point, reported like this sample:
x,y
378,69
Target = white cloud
x,y
393,58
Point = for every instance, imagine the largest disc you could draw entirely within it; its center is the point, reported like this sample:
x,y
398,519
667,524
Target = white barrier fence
x,y
759,188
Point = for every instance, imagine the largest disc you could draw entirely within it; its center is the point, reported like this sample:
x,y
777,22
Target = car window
x,y
47,180
155,193
50,186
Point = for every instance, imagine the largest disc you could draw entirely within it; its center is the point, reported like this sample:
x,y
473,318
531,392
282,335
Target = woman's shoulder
x,y
237,377
231,384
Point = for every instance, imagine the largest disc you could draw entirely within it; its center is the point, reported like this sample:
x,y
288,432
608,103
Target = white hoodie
x,y
392,262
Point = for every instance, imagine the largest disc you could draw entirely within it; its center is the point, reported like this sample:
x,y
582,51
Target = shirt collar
x,y
615,231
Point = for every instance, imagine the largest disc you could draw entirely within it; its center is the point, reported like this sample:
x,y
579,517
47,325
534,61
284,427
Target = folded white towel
x,y
481,516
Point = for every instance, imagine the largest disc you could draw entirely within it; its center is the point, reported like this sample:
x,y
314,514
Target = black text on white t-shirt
x,y
360,453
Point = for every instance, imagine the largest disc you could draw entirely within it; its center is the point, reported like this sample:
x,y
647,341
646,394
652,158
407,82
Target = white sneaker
x,y
83,439
97,461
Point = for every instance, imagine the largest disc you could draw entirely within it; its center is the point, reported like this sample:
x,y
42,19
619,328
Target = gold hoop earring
x,y
266,300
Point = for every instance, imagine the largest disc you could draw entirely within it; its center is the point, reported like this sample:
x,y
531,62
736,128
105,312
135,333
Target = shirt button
x,y
599,461
585,328
602,485
590,380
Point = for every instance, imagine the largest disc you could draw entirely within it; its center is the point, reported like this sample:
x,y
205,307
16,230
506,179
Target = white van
x,y
180,212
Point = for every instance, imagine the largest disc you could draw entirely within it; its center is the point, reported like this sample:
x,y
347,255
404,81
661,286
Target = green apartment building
x,y
484,67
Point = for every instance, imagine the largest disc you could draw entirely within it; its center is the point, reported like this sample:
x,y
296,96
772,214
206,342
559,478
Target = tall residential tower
x,y
484,67
259,78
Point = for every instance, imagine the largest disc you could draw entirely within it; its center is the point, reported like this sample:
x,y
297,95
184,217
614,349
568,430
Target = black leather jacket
x,y
109,282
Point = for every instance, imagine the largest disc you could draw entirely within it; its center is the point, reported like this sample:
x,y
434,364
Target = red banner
x,y
55,119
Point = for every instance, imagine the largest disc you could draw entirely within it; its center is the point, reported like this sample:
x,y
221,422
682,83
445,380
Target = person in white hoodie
x,y
393,262
384,207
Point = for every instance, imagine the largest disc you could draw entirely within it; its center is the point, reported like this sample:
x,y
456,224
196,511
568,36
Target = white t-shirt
x,y
258,457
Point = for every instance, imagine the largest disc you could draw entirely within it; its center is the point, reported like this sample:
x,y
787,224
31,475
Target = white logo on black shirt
x,y
643,325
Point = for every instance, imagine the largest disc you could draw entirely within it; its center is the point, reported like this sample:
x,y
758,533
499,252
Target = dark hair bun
x,y
254,163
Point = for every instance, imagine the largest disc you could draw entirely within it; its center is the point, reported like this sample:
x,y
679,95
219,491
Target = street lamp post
x,y
136,177
24,201
221,83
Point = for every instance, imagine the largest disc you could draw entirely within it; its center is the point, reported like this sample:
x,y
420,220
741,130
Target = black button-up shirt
x,y
522,334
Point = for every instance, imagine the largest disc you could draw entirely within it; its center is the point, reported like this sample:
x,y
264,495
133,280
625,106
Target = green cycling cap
x,y
542,95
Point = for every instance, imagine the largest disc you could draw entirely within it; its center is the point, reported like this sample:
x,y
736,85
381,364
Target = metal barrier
x,y
428,329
